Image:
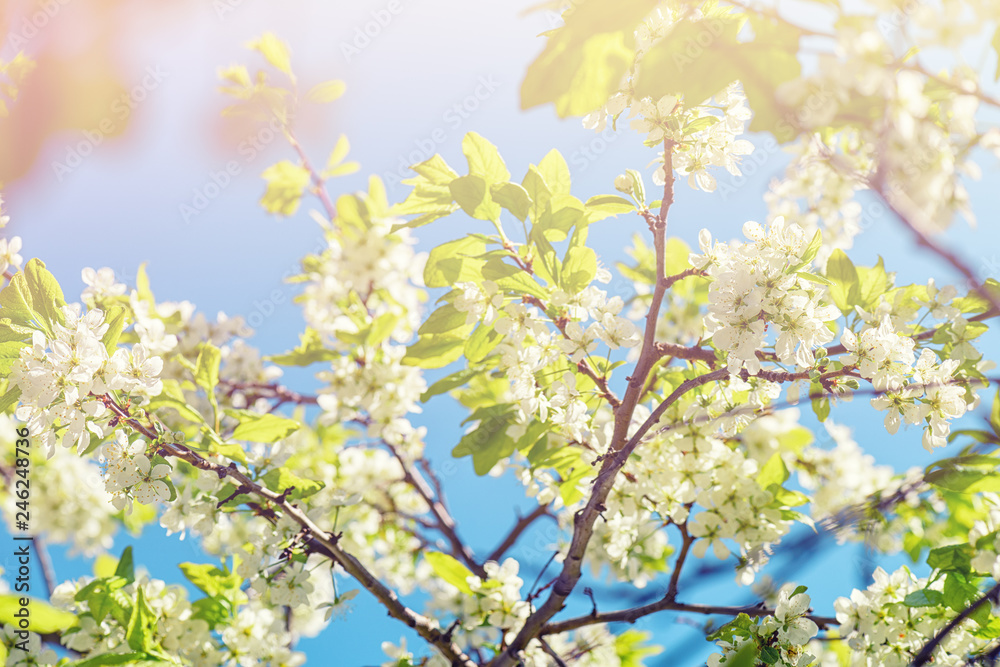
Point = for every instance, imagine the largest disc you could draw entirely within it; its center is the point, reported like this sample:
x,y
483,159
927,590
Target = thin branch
x,y
584,519
669,281
270,390
635,613
551,653
319,539
319,184
908,213
522,524
48,573
675,577
445,523
927,651
583,365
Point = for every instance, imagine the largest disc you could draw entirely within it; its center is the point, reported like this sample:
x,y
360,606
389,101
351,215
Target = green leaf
x,y
812,277
873,283
508,277
773,472
952,558
141,625
578,269
445,319
846,288
450,570
274,51
809,254
33,298
434,351
923,598
821,407
266,428
134,659
482,341
488,442
455,261
472,195
47,296
699,124
282,479
449,382
555,171
10,351
536,187
512,197
206,373
560,216
964,480
484,159
681,64
9,399
610,204
286,182
583,62
126,566
43,618
310,351
436,171
210,579
738,627
957,592
328,91
115,319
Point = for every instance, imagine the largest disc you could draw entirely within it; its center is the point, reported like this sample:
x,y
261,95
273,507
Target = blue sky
x,y
123,206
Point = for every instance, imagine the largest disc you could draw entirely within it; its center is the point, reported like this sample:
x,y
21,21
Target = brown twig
x,y
445,524
926,653
520,526
322,541
584,520
665,604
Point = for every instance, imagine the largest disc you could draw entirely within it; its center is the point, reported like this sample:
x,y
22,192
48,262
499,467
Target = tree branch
x,y
445,523
584,519
522,524
927,651
635,613
326,542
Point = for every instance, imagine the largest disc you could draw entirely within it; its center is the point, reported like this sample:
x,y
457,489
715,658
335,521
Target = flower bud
x,y
623,184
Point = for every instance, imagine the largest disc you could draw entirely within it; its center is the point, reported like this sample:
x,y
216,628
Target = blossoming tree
x,y
643,406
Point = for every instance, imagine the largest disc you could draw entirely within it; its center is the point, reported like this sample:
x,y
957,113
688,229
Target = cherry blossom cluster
x,y
923,142
694,152
695,479
757,285
880,627
62,379
922,391
370,261
366,277
529,346
256,635
70,503
819,195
